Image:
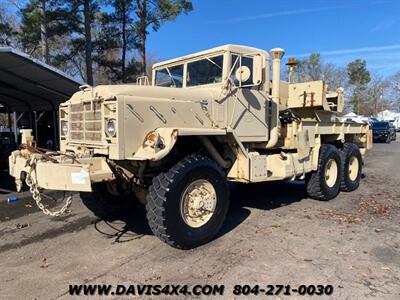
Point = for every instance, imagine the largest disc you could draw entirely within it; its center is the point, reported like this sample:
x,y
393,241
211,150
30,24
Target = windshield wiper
x,y
213,62
172,78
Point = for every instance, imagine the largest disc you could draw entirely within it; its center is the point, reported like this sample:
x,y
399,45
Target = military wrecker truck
x,y
207,118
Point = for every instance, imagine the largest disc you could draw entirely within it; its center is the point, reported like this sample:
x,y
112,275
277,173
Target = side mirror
x,y
257,69
242,74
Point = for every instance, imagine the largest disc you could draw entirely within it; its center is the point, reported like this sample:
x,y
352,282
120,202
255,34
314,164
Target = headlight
x,y
64,128
111,128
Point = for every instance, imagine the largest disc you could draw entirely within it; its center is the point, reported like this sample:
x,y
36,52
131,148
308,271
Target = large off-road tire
x,y
351,167
324,184
196,182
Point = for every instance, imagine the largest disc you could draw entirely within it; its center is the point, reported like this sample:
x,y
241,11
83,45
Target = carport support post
x,y
35,125
13,141
55,144
14,129
30,119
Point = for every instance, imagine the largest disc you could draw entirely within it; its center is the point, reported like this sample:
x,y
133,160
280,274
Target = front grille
x,y
86,122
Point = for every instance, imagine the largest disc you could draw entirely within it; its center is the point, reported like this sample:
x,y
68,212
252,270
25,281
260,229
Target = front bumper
x,y
381,135
59,173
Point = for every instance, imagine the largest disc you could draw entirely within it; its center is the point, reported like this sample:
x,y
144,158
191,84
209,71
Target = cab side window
x,y
242,61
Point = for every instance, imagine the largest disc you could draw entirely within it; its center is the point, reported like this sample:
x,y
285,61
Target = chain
x,y
36,194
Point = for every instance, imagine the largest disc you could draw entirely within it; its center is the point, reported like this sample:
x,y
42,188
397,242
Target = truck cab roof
x,y
220,49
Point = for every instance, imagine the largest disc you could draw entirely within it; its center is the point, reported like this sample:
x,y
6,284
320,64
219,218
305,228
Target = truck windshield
x,y
170,76
205,71
380,125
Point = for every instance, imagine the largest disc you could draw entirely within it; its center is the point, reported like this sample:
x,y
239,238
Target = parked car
x,y
383,131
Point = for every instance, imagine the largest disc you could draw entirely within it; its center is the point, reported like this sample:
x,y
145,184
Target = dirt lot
x,y
273,235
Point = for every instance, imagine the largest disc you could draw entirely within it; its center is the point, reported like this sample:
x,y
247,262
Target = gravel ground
x,y
274,234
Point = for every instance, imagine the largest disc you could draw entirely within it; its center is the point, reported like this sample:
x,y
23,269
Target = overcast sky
x,y
341,30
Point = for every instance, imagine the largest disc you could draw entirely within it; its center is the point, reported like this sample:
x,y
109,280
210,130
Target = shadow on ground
x,y
126,220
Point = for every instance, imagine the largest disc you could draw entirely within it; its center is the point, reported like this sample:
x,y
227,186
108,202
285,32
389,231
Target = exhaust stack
x,y
274,124
276,54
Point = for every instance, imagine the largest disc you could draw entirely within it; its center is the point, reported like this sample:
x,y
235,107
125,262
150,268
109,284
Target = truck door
x,y
249,113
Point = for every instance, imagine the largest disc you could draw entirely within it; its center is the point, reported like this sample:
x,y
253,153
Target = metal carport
x,y
29,87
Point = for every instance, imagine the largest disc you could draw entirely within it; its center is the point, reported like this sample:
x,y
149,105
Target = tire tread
x,y
157,196
313,181
347,149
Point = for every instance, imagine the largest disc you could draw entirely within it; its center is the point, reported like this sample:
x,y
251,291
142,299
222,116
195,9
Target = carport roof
x,y
29,84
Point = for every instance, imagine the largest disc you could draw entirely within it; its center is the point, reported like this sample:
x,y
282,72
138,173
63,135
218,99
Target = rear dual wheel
x,y
338,170
351,166
324,184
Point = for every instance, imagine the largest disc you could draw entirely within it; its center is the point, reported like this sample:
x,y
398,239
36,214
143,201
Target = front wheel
x,y
187,205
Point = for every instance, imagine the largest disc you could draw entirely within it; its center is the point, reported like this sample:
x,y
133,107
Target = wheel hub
x,y
331,172
353,168
198,203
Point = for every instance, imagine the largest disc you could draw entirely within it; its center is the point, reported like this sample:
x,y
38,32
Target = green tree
x,y
42,24
359,77
8,27
5,33
116,40
6,30
30,28
80,21
153,13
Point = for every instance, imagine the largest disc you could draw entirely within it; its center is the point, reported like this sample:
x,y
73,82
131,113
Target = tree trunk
x,y
142,35
88,43
356,100
43,32
124,44
142,50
